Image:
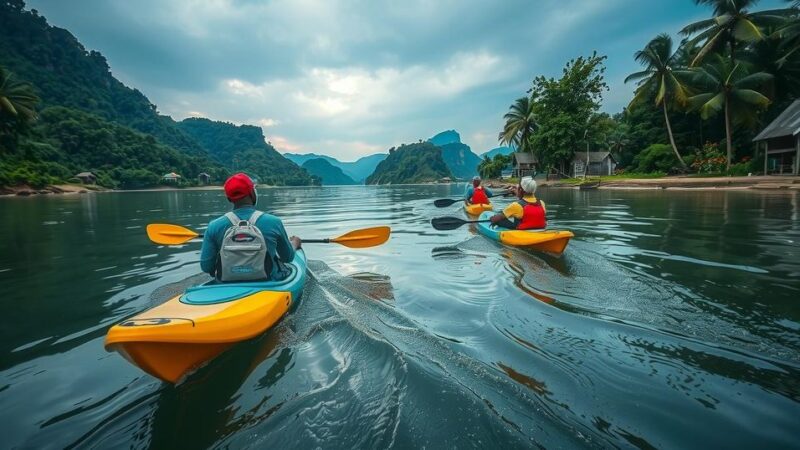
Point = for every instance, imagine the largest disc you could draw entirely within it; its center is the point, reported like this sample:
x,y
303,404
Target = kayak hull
x,y
172,339
476,209
549,241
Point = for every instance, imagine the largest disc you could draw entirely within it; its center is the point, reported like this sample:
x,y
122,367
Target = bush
x,y
709,160
655,158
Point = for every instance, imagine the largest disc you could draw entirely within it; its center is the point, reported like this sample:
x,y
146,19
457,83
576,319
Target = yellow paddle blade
x,y
166,234
365,237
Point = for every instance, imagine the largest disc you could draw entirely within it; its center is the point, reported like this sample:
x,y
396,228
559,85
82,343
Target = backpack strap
x,y
233,218
254,218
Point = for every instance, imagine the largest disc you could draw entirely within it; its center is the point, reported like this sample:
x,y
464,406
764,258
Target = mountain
x,y
327,172
445,137
357,170
458,156
90,121
497,151
243,148
414,163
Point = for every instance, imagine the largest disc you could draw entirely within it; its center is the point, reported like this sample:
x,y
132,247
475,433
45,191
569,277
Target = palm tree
x,y
17,103
520,125
732,23
726,85
661,79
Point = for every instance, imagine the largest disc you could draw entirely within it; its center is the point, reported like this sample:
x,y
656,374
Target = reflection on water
x,y
670,321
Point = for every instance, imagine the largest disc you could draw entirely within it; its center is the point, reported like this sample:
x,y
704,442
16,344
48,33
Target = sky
x,y
353,78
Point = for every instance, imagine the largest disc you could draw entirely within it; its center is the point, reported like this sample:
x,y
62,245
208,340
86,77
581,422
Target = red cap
x,y
238,187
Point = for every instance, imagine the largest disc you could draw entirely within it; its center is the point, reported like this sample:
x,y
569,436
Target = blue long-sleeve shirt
x,y
471,190
278,245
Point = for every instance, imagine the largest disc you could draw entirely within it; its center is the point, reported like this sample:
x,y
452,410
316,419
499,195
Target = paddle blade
x,y
447,223
442,202
166,234
365,237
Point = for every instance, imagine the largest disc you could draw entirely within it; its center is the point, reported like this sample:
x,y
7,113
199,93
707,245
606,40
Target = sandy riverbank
x,y
771,183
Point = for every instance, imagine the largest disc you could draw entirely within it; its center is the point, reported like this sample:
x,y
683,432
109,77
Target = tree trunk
x,y
672,139
728,134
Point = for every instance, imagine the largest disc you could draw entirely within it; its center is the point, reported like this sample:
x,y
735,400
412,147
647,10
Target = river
x,y
671,321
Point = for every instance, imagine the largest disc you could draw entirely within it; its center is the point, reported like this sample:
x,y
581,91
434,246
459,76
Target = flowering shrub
x,y
710,159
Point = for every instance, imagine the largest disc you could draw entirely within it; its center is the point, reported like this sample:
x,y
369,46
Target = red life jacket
x,y
479,196
532,216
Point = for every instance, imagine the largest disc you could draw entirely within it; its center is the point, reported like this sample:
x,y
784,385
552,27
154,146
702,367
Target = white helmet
x,y
528,185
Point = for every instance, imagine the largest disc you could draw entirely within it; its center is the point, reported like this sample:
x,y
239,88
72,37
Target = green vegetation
x,y
493,168
733,74
413,163
457,155
327,172
90,121
244,149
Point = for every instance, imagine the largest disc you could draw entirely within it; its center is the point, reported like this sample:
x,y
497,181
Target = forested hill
x,y
243,148
65,74
457,155
330,174
83,109
414,163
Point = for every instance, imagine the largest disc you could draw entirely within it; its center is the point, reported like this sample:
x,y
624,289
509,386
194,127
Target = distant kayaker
x,y
476,194
235,243
527,213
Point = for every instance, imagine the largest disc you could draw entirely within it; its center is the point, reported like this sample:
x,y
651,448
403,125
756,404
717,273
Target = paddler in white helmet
x,y
527,213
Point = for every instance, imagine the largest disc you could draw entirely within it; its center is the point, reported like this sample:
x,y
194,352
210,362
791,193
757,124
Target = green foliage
x,y
413,163
460,159
520,125
243,148
493,168
564,108
657,157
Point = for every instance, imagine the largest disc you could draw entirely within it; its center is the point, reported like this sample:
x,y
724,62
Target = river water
x,y
672,320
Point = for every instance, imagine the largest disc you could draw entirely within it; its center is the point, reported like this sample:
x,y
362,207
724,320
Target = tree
x,y
728,86
732,23
564,108
520,125
17,105
661,80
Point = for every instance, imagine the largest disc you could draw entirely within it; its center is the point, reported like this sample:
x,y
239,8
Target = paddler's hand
x,y
296,242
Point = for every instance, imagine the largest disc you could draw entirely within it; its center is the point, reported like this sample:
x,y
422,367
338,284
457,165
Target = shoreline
x,y
683,183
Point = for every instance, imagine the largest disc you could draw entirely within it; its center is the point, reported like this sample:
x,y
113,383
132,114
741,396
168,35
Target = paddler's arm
x,y
488,192
468,194
512,211
209,250
285,246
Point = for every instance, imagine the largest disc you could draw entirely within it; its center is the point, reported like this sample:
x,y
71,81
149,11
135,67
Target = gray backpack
x,y
244,250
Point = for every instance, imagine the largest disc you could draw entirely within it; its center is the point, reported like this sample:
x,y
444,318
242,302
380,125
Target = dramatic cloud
x,y
350,78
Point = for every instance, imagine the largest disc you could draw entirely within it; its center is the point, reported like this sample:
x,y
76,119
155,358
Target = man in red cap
x,y
246,228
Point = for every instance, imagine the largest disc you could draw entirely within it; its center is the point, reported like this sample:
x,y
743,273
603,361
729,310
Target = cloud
x,y
349,76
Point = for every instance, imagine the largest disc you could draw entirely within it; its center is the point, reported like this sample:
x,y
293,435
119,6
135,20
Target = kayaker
x,y
527,213
476,194
224,255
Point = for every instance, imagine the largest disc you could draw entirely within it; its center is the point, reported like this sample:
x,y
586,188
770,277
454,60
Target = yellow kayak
x,y
477,208
549,241
174,338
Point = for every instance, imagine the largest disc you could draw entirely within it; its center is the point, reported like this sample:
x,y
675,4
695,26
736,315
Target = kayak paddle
x,y
442,202
166,234
451,223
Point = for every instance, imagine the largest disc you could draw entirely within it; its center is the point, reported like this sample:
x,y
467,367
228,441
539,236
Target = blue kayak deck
x,y
215,292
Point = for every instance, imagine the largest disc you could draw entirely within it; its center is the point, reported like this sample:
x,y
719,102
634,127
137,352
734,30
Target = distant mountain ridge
x,y
463,163
327,172
358,170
